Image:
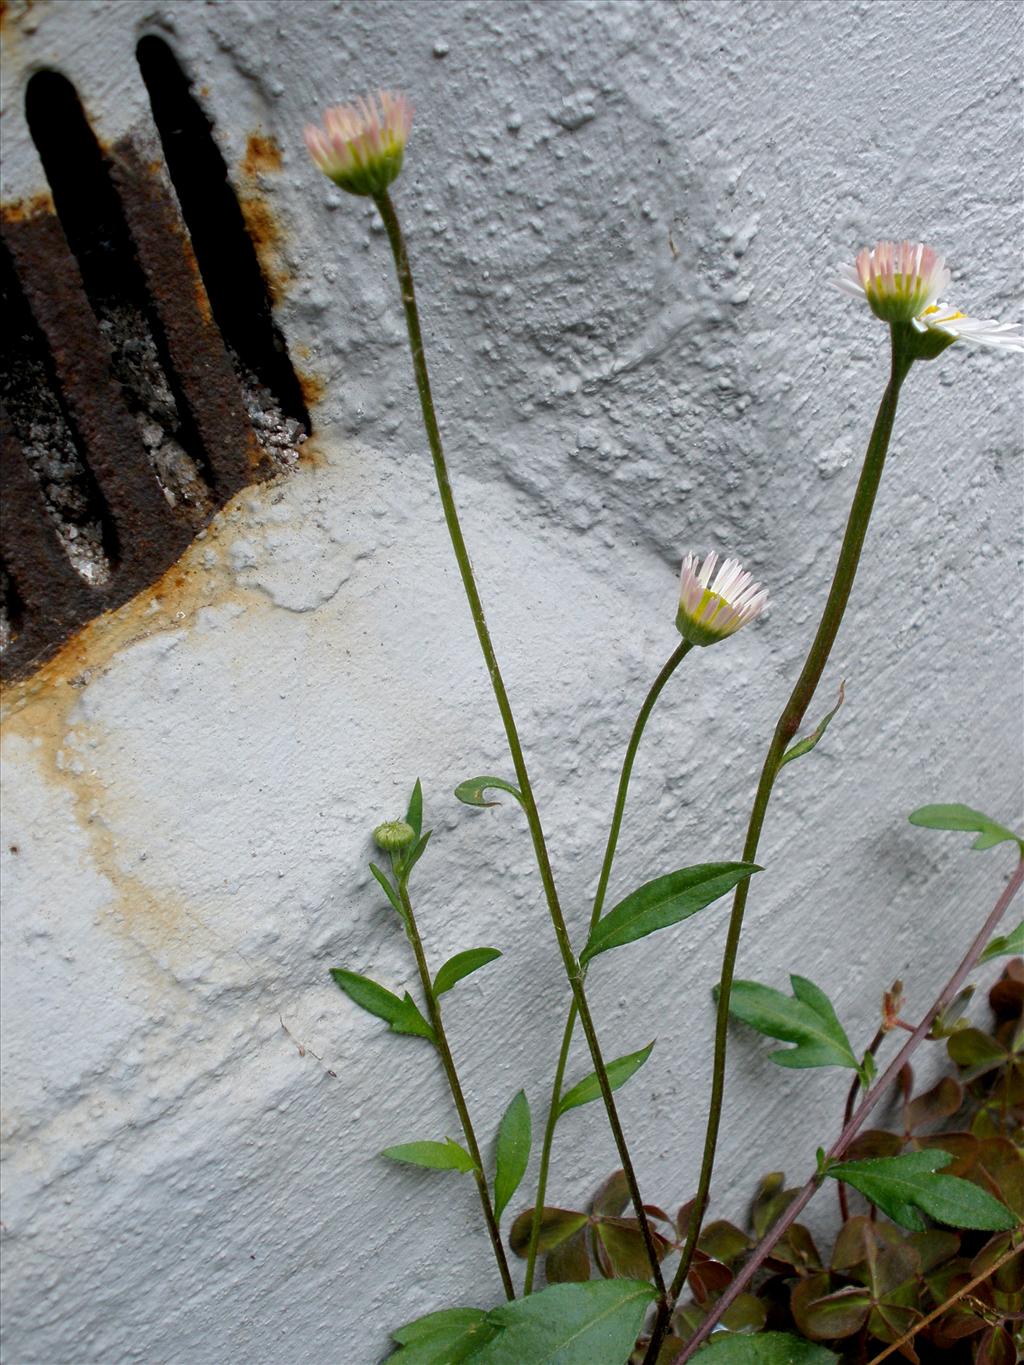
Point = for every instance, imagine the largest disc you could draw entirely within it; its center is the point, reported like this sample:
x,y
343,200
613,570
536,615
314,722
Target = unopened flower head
x,y
902,282
360,146
712,608
393,836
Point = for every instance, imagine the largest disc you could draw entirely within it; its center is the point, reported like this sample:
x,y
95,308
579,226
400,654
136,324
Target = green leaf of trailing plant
x,y
435,1156
904,1187
555,1226
414,815
662,902
448,1337
1005,945
461,965
472,790
388,890
764,1348
804,746
824,1314
807,1019
956,816
513,1151
569,1324
402,1014
619,1073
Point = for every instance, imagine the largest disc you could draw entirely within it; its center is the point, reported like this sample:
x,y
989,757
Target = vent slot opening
x,y
49,441
223,248
12,609
93,221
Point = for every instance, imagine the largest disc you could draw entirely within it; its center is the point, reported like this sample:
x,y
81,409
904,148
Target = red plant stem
x,y
851,1099
853,1126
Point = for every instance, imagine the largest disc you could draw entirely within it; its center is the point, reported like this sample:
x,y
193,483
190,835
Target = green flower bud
x,y
393,836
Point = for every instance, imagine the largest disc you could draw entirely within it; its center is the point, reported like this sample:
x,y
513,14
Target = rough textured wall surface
x,y
624,218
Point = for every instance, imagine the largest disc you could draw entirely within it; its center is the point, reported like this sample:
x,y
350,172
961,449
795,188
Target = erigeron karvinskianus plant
x,y
361,148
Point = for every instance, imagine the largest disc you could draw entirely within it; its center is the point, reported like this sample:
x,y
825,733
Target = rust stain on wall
x,y
40,713
22,210
262,155
268,239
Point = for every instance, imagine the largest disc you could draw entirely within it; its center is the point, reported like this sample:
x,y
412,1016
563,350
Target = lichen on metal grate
x,y
143,380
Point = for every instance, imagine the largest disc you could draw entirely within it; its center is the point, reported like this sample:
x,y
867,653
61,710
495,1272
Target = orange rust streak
x,y
21,210
262,155
267,239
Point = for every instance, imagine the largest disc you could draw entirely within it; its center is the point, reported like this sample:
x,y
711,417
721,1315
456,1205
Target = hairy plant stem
x,y
851,1100
572,967
672,663
885,1082
455,1086
787,726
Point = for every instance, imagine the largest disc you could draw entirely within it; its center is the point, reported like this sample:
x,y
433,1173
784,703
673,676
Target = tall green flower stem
x,y
856,1120
455,1086
572,967
674,660
903,356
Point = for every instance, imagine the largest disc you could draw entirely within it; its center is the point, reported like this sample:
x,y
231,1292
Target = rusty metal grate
x,y
143,380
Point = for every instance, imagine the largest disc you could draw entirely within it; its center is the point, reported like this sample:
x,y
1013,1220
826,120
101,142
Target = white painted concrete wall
x,y
191,1109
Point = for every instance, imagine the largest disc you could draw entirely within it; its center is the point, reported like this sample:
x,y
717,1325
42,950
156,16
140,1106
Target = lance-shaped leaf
x,y
804,746
448,1337
1005,945
414,854
434,1156
806,1019
956,816
619,1073
414,815
572,1324
764,1348
662,902
461,965
904,1187
472,790
513,1151
402,1014
388,890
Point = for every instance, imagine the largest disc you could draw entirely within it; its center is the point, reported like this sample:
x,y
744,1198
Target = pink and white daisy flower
x,y
902,282
711,610
360,145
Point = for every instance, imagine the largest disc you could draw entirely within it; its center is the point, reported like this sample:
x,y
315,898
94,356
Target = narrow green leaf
x,y
619,1073
461,965
412,1021
662,902
808,1020
414,815
513,1151
389,890
595,1323
472,790
764,1348
435,1156
1005,945
804,746
402,1014
904,1187
956,816
415,853
448,1337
